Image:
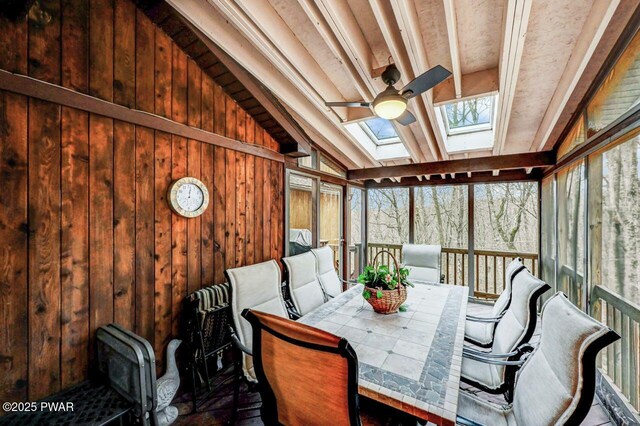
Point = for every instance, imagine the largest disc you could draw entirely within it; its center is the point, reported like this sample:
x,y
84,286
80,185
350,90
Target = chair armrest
x,y
471,351
487,319
293,314
237,343
466,422
494,361
442,277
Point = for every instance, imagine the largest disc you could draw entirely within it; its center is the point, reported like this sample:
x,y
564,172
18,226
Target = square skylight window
x,y
469,115
380,131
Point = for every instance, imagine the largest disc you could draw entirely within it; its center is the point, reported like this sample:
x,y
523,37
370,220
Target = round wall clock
x,y
188,197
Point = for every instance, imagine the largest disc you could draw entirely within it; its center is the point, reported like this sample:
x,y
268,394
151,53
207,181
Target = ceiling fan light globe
x,y
390,107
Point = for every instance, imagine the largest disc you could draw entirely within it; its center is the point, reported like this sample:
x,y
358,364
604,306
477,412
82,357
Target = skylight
x,y
379,137
469,115
468,125
380,131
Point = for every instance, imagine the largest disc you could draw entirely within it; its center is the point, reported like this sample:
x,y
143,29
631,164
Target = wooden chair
x,y
557,383
306,376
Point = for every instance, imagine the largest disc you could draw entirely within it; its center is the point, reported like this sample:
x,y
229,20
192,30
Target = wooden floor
x,y
215,408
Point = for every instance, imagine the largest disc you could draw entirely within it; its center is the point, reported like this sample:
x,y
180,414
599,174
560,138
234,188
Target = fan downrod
x,y
391,75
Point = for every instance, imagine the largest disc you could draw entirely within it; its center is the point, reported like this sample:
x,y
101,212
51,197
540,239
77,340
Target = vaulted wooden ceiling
x,y
537,55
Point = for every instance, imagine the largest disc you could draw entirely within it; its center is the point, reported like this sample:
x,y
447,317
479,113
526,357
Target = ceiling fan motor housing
x,y
391,75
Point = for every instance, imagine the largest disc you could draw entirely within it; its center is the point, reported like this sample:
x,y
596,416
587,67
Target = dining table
x,y
410,360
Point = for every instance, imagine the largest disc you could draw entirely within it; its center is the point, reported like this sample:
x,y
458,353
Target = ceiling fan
x,y
391,103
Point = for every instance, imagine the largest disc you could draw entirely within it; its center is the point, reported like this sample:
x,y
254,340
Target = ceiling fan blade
x,y
425,81
348,104
406,118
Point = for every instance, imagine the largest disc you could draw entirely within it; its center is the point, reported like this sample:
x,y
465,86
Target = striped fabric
x,y
212,296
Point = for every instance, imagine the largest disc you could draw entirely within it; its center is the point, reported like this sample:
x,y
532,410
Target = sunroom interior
x,y
164,162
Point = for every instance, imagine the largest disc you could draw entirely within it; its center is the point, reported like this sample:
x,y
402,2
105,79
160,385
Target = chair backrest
x,y
557,383
307,376
502,303
519,320
327,274
302,278
257,287
423,261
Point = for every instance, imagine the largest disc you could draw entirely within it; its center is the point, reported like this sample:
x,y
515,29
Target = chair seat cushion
x,y
480,332
480,411
488,375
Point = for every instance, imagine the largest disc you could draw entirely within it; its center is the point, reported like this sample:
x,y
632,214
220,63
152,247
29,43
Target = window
x,y
388,216
356,232
548,235
331,220
571,233
469,115
620,91
380,131
302,228
330,167
575,137
614,206
310,161
441,215
468,125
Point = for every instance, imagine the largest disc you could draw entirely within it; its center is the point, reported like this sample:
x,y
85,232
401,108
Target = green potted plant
x,y
385,289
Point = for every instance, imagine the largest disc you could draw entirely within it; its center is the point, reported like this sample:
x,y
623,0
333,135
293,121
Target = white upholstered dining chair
x,y
302,279
557,382
423,262
479,330
256,287
327,275
513,331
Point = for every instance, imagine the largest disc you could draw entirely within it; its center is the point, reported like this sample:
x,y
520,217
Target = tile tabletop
x,y
409,360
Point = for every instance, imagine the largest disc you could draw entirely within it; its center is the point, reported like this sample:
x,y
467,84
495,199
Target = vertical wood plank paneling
x,y
101,244
100,222
75,45
266,210
163,320
241,191
220,205
194,153
74,260
259,208
144,233
230,176
163,64
207,235
178,170
178,235
13,219
101,49
250,190
13,251
44,248
124,221
124,55
124,166
44,41
145,49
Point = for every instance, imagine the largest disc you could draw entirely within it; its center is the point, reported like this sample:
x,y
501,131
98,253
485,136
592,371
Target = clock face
x,y
189,197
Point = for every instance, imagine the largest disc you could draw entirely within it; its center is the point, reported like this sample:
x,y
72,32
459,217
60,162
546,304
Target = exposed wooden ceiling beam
x,y
515,23
475,84
209,20
481,177
452,33
412,63
500,162
599,17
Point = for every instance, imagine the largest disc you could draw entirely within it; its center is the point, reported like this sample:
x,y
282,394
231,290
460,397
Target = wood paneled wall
x,y
87,236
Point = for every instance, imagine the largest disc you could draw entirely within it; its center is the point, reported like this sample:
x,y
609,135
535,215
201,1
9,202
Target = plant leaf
x,y
366,294
379,294
403,308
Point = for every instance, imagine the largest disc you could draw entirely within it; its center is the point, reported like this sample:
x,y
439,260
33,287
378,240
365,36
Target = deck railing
x,y
490,266
621,360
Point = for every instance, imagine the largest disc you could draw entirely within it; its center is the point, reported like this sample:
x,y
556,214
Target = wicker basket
x,y
391,300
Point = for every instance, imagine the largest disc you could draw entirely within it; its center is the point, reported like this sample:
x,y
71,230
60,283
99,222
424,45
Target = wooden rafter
x,y
452,33
482,164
